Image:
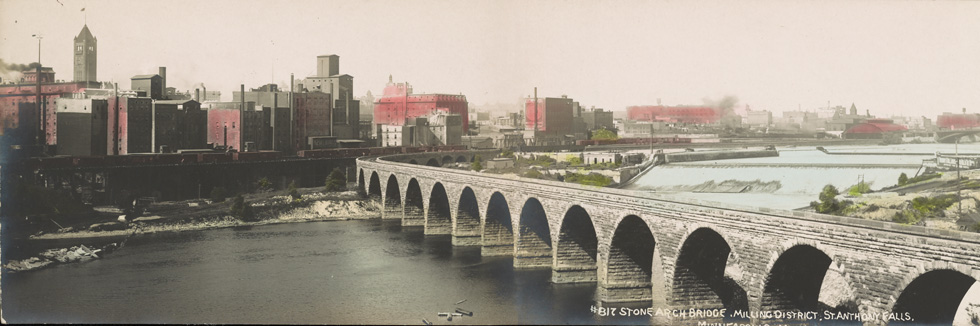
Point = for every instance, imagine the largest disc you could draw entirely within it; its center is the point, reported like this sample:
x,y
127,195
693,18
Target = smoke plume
x,y
13,71
725,106
16,67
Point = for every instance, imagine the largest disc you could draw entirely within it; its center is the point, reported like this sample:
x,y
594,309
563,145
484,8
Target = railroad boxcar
x,y
87,161
214,157
55,162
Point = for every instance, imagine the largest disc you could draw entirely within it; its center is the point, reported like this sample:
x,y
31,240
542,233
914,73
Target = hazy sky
x,y
911,58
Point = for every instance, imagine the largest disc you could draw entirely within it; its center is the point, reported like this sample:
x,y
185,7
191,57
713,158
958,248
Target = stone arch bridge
x,y
675,253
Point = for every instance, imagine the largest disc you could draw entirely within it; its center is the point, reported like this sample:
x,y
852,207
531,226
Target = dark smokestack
x,y
115,138
197,94
535,112
241,120
163,78
275,108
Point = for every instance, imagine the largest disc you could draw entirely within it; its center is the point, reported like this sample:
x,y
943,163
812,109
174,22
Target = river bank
x,y
39,251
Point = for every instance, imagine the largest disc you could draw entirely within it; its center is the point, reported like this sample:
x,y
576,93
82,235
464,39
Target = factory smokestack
x,y
197,94
163,79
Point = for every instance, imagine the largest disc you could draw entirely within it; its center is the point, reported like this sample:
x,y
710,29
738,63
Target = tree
x,y
293,192
574,160
264,185
828,203
858,189
828,193
603,134
335,181
476,165
507,153
903,179
242,209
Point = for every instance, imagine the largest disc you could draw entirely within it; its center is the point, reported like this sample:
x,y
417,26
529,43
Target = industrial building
x,y
549,121
398,104
82,126
958,121
873,129
437,129
679,114
759,119
178,124
598,119
344,122
130,125
18,109
151,86
235,126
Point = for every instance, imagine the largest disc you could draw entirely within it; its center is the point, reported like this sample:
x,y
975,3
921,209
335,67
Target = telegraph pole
x,y
959,200
41,117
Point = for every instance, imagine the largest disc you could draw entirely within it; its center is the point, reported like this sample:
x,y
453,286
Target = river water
x,y
348,272
799,184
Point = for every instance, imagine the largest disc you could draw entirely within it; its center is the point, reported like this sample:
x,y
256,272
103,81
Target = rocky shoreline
x,y
311,207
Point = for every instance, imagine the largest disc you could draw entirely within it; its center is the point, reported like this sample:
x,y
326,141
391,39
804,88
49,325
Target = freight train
x,y
211,157
634,141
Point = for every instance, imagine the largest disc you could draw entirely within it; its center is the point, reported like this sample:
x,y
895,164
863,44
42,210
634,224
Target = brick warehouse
x,y
399,103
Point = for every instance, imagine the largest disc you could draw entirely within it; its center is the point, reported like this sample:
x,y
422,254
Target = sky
x,y
887,57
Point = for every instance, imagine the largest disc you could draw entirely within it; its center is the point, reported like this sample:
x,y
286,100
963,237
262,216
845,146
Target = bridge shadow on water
x,y
536,300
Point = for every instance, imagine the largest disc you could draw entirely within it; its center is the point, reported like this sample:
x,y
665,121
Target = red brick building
x,y
552,116
16,100
398,103
681,114
958,121
227,127
130,124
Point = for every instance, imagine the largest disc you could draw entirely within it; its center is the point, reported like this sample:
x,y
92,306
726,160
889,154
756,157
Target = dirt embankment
x,y
962,214
268,208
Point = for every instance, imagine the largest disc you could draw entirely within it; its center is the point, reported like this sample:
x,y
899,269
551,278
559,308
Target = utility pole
x,y
535,138
959,200
41,117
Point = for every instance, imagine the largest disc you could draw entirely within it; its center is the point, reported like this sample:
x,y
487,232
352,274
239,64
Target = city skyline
x,y
908,59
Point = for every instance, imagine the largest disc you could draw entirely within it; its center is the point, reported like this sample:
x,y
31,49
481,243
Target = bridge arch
x,y
932,297
438,218
466,229
534,236
361,189
577,248
795,279
433,162
461,159
414,214
633,266
699,274
498,228
374,188
447,160
392,206
413,161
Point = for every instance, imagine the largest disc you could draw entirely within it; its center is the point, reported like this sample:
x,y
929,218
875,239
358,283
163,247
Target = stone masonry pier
x,y
682,254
